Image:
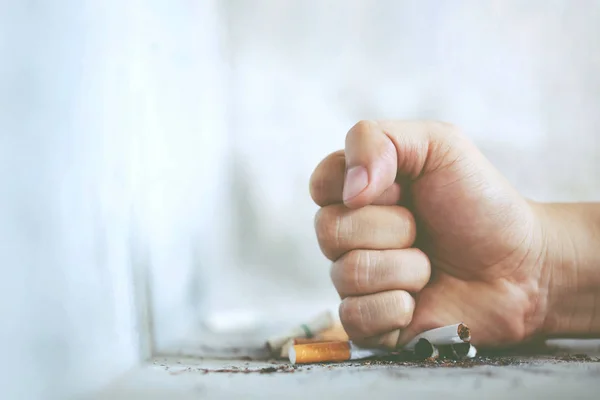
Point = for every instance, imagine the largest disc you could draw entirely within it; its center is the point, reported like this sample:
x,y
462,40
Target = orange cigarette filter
x,y
285,349
320,352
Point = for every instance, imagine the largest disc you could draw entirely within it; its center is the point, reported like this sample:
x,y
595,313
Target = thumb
x,y
379,152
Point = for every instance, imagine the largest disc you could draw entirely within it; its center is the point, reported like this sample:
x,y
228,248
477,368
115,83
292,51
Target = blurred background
x,y
155,155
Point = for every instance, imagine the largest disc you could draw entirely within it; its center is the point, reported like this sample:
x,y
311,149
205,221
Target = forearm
x,y
572,258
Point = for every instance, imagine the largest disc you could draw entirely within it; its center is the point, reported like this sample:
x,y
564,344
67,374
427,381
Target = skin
x,y
423,231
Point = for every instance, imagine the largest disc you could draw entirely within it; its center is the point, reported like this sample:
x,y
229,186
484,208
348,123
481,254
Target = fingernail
x,y
357,179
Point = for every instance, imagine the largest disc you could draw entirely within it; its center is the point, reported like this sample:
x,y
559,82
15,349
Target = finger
x,y
340,229
387,340
391,196
327,180
378,152
376,314
361,272
327,183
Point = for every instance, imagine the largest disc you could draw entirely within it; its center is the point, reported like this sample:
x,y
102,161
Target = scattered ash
x,y
408,360
282,369
530,348
440,362
578,358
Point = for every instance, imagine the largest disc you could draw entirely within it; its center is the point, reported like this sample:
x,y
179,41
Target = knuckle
x,y
448,138
327,222
326,178
361,128
406,303
352,272
315,186
400,304
389,339
424,273
409,225
352,315
411,228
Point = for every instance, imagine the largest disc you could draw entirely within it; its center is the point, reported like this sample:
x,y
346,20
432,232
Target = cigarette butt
x,y
309,329
292,342
445,335
316,340
319,352
337,351
336,332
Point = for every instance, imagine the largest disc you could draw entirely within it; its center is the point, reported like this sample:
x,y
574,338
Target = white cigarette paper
x,y
358,353
446,335
464,350
310,329
285,349
472,352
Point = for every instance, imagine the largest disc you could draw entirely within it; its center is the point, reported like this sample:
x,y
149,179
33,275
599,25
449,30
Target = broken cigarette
x,y
446,335
424,349
316,325
330,352
464,350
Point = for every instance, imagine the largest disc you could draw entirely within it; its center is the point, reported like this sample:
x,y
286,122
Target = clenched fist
x,y
423,231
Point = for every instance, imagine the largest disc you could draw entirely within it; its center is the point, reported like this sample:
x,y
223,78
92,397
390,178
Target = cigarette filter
x,y
311,328
446,335
330,352
285,349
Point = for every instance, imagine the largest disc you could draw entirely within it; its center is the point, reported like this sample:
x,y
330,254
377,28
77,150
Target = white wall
x,y
65,288
110,152
179,94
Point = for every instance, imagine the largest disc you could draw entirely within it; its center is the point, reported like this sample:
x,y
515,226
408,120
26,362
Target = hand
x,y
423,231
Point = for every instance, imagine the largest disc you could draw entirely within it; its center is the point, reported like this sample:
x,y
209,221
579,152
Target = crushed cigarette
x,y
464,332
452,341
463,350
445,335
424,349
330,352
309,330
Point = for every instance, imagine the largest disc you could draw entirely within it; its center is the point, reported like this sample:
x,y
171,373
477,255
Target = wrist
x,y
571,269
